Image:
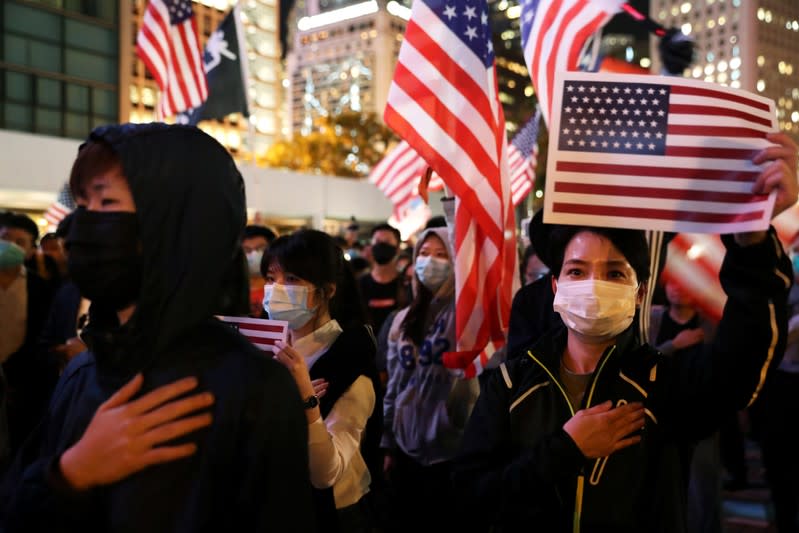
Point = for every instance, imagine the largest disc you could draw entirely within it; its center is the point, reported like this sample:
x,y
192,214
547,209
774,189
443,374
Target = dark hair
x,y
21,221
385,226
314,256
254,230
528,254
437,221
94,158
52,236
631,243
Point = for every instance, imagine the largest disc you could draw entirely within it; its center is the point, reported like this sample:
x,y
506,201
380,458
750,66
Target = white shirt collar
x,y
316,343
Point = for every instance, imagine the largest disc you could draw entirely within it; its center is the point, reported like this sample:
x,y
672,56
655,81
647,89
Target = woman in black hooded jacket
x,y
157,251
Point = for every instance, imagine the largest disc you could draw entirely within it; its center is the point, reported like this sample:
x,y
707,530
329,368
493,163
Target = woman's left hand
x,y
295,362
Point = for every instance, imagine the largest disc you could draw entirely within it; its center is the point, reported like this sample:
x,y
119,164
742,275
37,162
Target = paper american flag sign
x,y
656,152
261,332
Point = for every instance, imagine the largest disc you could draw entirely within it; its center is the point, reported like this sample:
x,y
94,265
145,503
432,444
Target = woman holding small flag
x,y
331,354
589,429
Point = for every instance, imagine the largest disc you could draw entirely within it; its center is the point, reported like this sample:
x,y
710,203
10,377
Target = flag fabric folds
x,y
61,207
444,102
523,158
169,46
397,175
554,33
656,152
225,64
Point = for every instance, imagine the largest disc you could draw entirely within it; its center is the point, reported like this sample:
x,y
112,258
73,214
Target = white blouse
x,y
334,443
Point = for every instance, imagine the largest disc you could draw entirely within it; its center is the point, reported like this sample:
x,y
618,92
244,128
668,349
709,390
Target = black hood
x,y
191,211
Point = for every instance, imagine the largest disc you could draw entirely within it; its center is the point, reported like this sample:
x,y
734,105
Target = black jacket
x,y
523,469
250,472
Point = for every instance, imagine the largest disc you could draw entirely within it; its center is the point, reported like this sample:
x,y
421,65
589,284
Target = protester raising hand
x,y
126,436
779,172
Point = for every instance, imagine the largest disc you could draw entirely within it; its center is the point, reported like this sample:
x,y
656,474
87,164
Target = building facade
x,y
747,44
341,57
67,66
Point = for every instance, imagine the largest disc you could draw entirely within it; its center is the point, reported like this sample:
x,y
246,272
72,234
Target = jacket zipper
x,y
578,499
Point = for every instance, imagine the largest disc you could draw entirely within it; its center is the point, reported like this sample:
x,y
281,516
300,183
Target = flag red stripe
x,y
699,110
159,51
398,163
714,131
179,74
682,243
581,37
663,172
710,93
449,69
574,49
259,340
257,327
442,165
399,168
549,17
661,214
716,153
447,121
658,192
186,38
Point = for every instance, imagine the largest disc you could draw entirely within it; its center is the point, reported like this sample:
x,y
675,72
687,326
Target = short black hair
x,y
48,237
437,221
21,221
631,243
385,226
255,230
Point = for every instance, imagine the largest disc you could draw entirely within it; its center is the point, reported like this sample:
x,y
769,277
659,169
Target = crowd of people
x,y
126,405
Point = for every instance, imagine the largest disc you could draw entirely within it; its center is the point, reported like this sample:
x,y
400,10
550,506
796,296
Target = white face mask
x,y
432,271
289,303
254,262
596,308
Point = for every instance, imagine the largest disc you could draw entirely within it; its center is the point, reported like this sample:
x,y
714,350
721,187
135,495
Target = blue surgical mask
x,y
432,271
11,255
795,263
289,303
254,262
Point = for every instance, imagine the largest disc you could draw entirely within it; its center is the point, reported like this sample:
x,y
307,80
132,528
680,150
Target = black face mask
x,y
383,253
103,257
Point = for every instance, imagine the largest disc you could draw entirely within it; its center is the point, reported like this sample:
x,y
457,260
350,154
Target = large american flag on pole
x,y
656,152
554,33
523,159
444,101
169,46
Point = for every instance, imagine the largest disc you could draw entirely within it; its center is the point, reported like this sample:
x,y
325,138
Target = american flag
x,y
168,44
261,332
63,205
656,152
444,101
398,175
523,158
554,33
